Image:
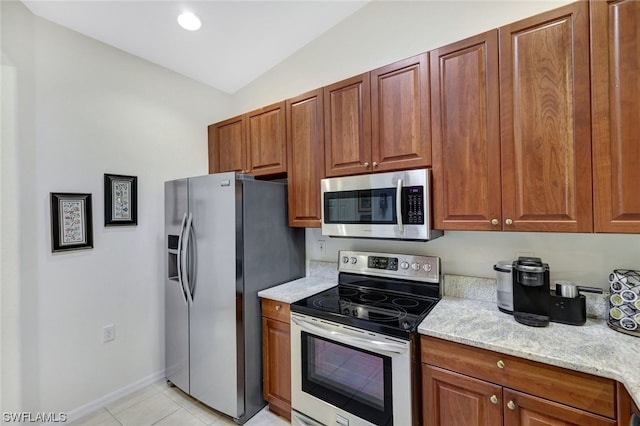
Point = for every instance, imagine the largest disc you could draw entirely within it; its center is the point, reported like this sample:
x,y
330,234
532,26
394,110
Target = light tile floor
x,y
162,405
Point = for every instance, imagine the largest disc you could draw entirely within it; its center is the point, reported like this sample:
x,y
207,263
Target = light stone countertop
x,y
293,291
591,348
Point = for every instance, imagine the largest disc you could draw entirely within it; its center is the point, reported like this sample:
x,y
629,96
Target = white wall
x,y
378,34
385,31
90,109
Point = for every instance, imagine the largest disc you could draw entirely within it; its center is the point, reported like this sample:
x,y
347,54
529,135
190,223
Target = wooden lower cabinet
x,y
452,399
276,357
463,386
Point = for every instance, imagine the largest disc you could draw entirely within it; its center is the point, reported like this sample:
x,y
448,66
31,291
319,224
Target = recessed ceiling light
x,y
189,21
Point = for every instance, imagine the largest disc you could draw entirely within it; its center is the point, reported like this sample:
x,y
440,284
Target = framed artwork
x,y
71,221
120,200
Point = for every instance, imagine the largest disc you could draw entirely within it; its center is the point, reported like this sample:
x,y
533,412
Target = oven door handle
x,y
372,344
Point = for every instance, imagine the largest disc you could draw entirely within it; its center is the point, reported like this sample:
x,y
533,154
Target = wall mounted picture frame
x,y
71,221
120,200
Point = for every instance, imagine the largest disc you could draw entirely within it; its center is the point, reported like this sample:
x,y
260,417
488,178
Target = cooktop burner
x,y
381,293
372,309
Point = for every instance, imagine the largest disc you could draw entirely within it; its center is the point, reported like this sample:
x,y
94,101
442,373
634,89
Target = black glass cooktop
x,y
374,309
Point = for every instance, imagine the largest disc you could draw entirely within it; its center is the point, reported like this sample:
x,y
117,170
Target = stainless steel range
x,y
354,357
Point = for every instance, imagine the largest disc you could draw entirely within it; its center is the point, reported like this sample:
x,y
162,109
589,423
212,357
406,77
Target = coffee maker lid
x,y
529,264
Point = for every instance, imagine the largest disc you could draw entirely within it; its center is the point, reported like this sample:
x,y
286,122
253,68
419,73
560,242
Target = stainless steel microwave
x,y
392,205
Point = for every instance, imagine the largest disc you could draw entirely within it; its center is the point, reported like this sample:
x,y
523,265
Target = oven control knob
x,y
427,267
406,325
415,266
404,264
353,260
345,259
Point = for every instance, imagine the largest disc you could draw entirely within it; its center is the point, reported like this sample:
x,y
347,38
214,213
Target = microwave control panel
x,y
413,205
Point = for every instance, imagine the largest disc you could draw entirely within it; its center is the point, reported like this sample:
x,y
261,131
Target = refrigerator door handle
x,y
184,260
179,254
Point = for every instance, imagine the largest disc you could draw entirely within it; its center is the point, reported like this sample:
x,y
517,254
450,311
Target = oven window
x,y
349,378
376,206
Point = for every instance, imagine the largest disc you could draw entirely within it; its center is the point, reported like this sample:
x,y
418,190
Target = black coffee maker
x,y
531,292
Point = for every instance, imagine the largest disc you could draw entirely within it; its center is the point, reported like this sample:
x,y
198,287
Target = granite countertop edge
x,y
593,348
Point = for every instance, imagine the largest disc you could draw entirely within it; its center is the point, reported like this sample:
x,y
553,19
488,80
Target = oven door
x,y
393,205
348,376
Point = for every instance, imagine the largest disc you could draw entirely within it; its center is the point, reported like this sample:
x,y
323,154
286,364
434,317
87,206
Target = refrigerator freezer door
x,y
176,310
214,205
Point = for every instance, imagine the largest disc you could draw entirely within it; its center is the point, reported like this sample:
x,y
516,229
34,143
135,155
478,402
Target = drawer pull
x,y
494,399
500,364
277,307
511,405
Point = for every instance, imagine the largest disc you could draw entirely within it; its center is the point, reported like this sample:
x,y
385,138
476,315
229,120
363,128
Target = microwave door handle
x,y
399,205
179,255
184,260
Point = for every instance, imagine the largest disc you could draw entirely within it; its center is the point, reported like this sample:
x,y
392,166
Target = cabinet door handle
x,y
375,164
511,405
277,307
494,399
494,222
366,164
500,364
508,222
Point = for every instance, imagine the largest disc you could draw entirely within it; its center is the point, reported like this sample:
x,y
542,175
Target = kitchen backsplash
x,y
464,287
484,289
328,270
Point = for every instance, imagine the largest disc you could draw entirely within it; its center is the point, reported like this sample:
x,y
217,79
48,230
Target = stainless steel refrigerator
x,y
226,238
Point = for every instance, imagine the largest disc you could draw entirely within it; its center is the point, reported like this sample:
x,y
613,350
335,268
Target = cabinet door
x,y
401,136
615,38
525,410
305,145
266,140
347,116
227,146
465,119
545,122
452,399
276,366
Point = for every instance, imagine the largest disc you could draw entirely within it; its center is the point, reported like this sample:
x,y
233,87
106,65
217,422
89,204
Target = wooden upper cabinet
x,y
401,135
465,120
615,39
227,146
545,122
347,114
305,151
266,140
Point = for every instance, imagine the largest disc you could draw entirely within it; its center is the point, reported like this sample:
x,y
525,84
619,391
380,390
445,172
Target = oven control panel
x,y
401,266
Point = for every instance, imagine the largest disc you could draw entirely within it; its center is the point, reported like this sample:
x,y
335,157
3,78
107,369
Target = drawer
x,y
585,391
273,309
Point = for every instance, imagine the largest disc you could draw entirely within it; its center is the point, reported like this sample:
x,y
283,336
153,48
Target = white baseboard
x,y
102,402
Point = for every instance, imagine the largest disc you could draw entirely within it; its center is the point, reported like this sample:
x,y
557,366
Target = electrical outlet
x,y
108,333
322,247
